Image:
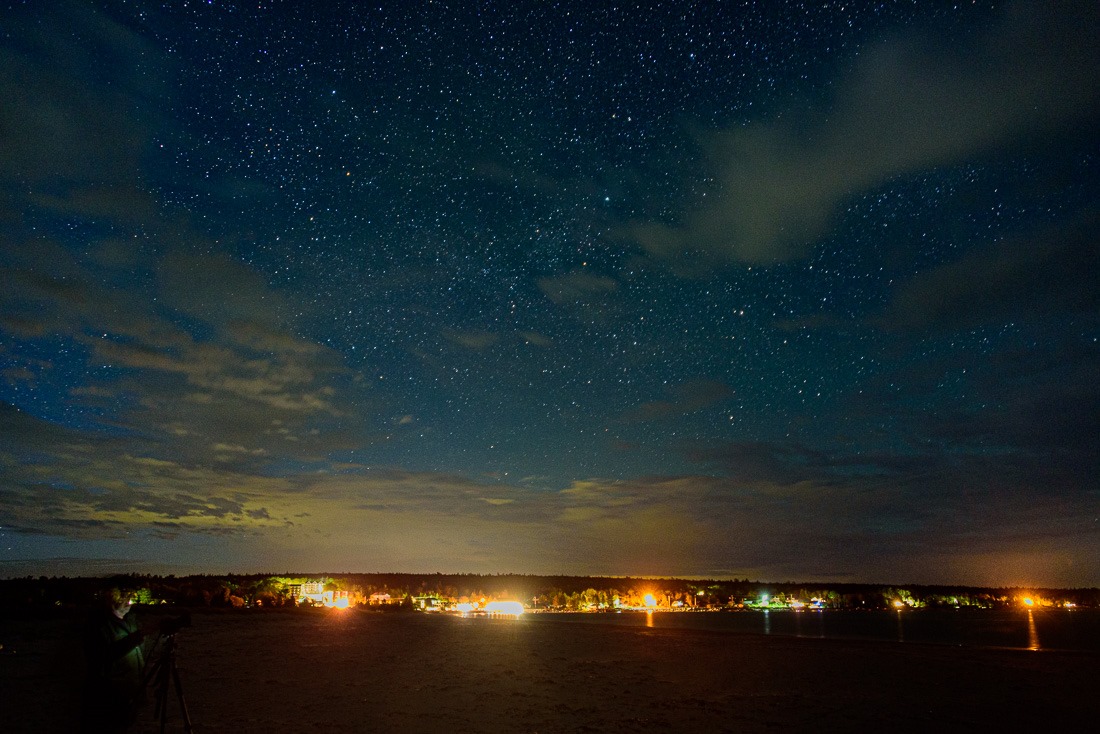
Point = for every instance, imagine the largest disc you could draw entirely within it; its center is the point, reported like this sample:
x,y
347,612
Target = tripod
x,y
160,672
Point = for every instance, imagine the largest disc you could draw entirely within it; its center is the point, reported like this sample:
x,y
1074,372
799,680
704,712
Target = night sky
x,y
754,289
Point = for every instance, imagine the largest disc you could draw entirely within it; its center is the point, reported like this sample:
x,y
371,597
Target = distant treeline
x,y
407,590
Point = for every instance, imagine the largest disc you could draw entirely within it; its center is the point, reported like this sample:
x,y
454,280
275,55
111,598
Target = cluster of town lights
x,y
1032,602
315,593
492,608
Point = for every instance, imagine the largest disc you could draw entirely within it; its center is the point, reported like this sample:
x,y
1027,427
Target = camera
x,y
173,625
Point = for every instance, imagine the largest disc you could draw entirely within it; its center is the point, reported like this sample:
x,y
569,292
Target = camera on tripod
x,y
163,673
173,625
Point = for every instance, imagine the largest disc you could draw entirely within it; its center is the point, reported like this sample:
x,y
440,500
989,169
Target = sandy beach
x,y
277,671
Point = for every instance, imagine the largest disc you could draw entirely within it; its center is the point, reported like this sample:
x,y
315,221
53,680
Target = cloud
x,y
17,374
588,297
755,462
535,338
79,484
119,203
169,341
228,383
1050,272
689,397
228,293
578,286
910,104
759,519
200,361
61,124
475,340
1037,425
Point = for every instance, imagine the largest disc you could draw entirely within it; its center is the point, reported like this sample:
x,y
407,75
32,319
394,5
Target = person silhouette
x,y
113,648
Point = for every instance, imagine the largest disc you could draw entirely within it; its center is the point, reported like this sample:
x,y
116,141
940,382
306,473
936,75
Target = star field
x,y
755,289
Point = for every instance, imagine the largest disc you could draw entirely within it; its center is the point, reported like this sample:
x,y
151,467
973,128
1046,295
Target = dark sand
x,y
285,671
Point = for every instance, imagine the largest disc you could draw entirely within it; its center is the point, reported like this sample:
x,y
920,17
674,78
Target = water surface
x,y
1041,629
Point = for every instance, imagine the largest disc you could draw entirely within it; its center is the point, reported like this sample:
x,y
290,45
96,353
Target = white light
x,y
512,608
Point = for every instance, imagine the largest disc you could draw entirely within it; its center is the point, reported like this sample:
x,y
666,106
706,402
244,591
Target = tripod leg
x,y
152,681
183,703
161,709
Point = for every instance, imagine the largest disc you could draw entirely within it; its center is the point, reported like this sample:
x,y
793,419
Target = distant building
x,y
314,591
430,603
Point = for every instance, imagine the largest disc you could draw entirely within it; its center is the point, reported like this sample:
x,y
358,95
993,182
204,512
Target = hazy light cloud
x,y
1026,277
689,397
577,287
910,104
476,340
533,337
60,124
241,378
588,297
752,520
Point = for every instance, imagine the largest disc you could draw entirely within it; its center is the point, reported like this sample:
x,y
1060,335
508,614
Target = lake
x,y
1039,629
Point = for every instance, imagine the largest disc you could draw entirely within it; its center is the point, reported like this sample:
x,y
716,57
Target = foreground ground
x,y
352,671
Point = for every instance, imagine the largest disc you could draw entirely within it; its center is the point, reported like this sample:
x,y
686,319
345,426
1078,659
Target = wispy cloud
x,y
688,397
774,505
1027,277
585,295
577,286
475,340
910,104
61,126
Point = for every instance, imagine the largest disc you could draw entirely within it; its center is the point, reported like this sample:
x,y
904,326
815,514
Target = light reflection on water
x,y
1077,629
1032,632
